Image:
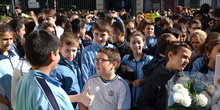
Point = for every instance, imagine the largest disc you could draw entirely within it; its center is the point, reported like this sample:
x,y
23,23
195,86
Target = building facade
x,y
132,6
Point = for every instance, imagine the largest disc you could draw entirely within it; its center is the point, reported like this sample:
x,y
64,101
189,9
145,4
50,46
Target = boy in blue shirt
x,y
37,90
66,71
101,31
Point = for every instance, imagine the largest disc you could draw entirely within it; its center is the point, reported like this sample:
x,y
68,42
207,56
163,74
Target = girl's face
x,y
6,41
131,26
21,32
136,43
148,30
215,51
139,17
183,36
196,43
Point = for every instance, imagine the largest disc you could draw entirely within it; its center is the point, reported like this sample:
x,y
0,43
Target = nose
x,y
187,60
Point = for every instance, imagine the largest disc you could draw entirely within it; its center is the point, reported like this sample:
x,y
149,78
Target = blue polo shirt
x,y
138,73
88,54
30,95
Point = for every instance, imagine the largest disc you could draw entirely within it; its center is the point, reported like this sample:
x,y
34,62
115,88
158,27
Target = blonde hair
x,y
200,34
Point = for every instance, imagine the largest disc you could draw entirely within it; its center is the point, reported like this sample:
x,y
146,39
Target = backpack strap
x,y
48,93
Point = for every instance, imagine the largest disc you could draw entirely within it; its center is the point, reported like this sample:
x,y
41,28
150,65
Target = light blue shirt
x,y
88,55
30,95
7,65
138,73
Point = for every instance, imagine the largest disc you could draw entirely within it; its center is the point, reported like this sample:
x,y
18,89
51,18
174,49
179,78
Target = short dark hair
x,y
163,41
77,23
38,45
16,24
102,26
197,12
118,27
175,47
112,54
173,31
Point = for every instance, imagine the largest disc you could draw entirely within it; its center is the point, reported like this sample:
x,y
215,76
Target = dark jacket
x,y
153,64
154,93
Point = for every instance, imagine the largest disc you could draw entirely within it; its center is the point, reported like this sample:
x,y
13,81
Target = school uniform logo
x,y
110,93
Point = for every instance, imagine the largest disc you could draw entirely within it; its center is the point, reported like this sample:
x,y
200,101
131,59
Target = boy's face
x,y
103,66
49,19
69,52
148,30
136,43
6,41
100,37
194,27
180,60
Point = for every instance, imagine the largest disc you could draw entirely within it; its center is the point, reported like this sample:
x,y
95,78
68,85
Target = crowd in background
x,y
139,58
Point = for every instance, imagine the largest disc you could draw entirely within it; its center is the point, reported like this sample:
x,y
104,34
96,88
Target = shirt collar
x,y
42,75
10,54
131,57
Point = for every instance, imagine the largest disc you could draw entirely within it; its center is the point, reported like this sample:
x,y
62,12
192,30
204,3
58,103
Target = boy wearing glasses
x,y
101,31
110,90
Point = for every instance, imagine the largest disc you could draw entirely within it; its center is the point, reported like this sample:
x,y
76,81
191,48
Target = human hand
x,y
87,37
136,83
87,99
211,90
128,81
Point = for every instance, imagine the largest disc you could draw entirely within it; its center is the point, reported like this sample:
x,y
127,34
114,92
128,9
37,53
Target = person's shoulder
x,y
120,79
126,57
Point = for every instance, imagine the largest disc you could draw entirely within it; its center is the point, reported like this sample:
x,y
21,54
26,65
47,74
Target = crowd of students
x,y
102,60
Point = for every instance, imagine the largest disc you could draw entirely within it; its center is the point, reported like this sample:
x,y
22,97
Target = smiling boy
x,y
154,94
101,31
110,90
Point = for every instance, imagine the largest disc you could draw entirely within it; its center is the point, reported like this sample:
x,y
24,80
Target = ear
x,y
55,18
170,55
207,54
109,34
115,65
123,33
52,56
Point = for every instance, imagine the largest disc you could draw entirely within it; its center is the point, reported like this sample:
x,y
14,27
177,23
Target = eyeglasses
x,y
100,60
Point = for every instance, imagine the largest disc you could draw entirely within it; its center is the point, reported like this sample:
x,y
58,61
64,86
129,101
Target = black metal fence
x,y
61,5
